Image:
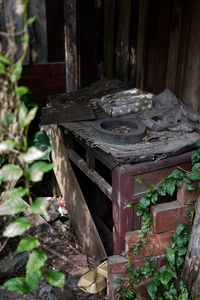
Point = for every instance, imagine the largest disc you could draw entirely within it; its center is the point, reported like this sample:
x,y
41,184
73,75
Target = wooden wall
x,y
154,44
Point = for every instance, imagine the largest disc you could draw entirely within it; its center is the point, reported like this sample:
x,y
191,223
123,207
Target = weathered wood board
x,y
82,222
66,113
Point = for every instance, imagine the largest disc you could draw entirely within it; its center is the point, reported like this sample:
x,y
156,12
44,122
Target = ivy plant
x,y
167,283
21,166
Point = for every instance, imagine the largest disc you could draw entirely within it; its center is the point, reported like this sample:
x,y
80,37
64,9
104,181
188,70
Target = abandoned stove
x,y
111,152
148,136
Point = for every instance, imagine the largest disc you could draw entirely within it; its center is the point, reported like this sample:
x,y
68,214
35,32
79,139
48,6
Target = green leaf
x,y
179,261
189,212
162,190
16,72
195,177
118,280
8,145
195,157
31,20
31,155
25,38
156,278
154,198
198,143
5,60
170,186
180,228
22,114
35,262
165,277
152,187
39,206
129,205
32,279
21,90
171,256
118,289
2,68
10,172
55,278
28,243
152,289
139,180
17,285
191,187
190,202
31,115
12,206
17,192
179,183
41,141
182,251
144,202
37,170
18,227
188,180
196,168
139,212
177,174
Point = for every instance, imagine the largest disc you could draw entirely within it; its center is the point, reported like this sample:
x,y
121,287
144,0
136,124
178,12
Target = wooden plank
x,y
81,219
38,32
109,36
174,40
66,113
71,45
191,87
141,43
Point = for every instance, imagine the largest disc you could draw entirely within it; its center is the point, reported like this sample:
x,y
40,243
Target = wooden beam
x,y
71,45
82,222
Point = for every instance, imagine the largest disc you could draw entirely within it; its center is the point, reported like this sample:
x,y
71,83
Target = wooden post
x,y
82,222
191,271
71,45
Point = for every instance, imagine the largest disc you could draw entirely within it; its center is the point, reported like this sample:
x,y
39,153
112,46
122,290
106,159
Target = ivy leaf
x,y
2,68
16,72
182,251
21,91
32,154
139,212
117,289
152,187
39,206
144,202
195,177
32,279
180,228
41,141
129,205
5,60
156,278
190,202
191,187
18,227
179,183
8,145
196,168
154,198
35,262
118,280
152,289
17,285
165,277
162,190
22,114
55,278
170,186
12,206
198,143
37,170
188,180
10,172
179,261
28,243
138,179
177,174
171,256
31,115
195,157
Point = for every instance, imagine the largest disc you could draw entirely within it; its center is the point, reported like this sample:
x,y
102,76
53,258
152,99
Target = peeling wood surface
x,y
166,144
81,219
192,261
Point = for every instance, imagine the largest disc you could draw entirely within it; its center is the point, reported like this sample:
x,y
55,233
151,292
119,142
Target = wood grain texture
x,y
82,222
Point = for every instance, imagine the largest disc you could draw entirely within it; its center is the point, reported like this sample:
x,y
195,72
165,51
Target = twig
x,y
4,244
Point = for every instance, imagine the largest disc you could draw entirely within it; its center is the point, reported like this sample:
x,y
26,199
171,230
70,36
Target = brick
x,y
117,264
36,70
159,261
183,195
157,244
44,82
167,216
59,68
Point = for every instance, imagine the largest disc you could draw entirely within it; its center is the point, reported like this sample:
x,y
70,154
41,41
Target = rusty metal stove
x,y
151,159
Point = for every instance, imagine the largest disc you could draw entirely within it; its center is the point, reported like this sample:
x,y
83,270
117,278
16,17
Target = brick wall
x,y
44,80
166,218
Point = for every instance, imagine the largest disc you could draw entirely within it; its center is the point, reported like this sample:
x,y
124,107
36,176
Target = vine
x,y
21,165
166,283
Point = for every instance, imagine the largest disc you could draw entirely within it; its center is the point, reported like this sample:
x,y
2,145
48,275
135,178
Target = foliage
x,y
21,165
168,283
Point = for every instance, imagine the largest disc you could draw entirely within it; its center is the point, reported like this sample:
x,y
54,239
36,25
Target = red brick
x,y
167,216
117,264
157,244
183,195
159,261
44,82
